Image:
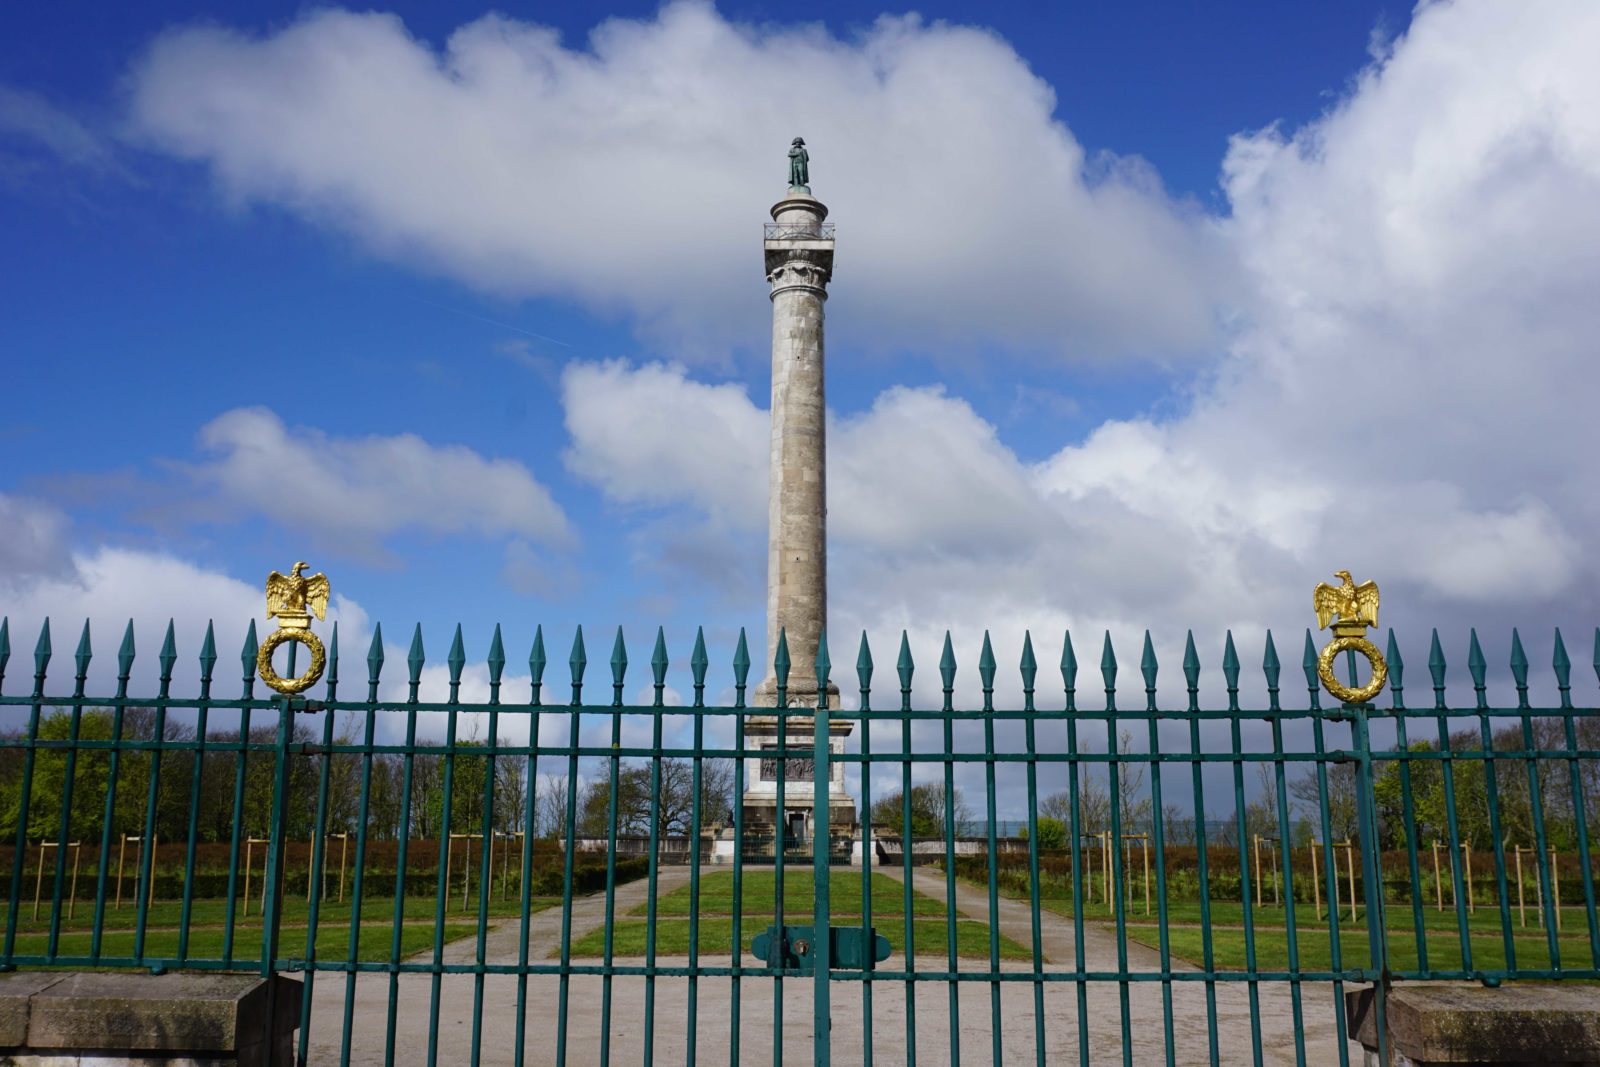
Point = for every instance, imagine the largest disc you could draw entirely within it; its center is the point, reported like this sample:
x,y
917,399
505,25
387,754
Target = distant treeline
x,y
224,776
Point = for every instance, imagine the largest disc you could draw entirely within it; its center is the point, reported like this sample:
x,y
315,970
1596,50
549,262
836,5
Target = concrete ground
x,y
932,1031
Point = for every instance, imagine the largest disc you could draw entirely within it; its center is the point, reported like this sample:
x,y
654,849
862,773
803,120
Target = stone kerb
x,y
1515,1025
172,1018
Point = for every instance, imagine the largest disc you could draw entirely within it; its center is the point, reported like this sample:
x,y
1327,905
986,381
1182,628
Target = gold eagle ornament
x,y
293,598
292,595
1352,603
1350,608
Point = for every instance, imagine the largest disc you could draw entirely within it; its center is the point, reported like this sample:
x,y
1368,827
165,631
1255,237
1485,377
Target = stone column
x,y
799,260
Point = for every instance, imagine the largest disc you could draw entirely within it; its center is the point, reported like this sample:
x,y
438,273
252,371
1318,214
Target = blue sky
x,y
1147,316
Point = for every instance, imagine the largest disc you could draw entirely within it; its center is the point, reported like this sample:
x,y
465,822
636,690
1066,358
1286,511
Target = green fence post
x,y
904,667
821,847
1371,876
272,913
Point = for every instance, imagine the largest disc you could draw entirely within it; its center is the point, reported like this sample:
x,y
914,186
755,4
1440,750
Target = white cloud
x,y
1409,391
632,173
32,542
355,491
1406,389
31,117
110,586
650,435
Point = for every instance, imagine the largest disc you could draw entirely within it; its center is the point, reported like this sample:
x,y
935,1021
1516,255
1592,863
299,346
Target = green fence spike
x,y
415,659
1108,670
167,656
947,664
333,658
41,653
1069,669
1597,651
1029,667
457,659
208,654
1230,662
247,655
125,653
85,653
1272,669
375,656
82,657
1478,667
576,661
1308,663
1519,668
536,662
658,664
1191,671
699,663
1108,662
658,658
1558,660
5,646
780,659
780,669
619,660
905,667
1147,670
864,664
497,656
986,669
824,664
741,666
1397,670
1436,669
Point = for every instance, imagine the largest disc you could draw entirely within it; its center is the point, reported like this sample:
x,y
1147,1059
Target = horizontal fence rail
x,y
587,862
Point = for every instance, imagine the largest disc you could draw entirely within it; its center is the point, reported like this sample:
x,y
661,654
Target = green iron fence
x,y
1510,782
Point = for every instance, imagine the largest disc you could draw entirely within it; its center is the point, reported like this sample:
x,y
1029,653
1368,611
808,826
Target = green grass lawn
x,y
1441,928
760,895
1398,915
759,898
208,922
1272,949
716,937
169,913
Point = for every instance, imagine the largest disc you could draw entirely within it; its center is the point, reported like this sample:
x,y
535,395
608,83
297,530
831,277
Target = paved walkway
x,y
756,1014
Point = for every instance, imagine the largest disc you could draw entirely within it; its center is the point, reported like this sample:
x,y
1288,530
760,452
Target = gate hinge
x,y
793,948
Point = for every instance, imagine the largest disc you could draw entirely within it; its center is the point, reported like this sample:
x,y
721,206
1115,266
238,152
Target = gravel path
x,y
756,1016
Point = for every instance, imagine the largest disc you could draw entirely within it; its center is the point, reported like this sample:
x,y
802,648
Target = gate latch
x,y
794,948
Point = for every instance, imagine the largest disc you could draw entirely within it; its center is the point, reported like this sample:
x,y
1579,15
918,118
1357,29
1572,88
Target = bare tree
x,y
510,793
1341,800
1179,827
1133,803
550,806
1094,805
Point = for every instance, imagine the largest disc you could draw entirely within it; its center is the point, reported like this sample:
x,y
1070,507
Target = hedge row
x,y
586,878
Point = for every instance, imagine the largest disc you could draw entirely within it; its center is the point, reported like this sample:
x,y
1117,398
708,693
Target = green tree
x,y
1052,834
927,812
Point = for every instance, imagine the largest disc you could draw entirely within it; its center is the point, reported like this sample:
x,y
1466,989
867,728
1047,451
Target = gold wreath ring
x,y
1380,669
319,660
